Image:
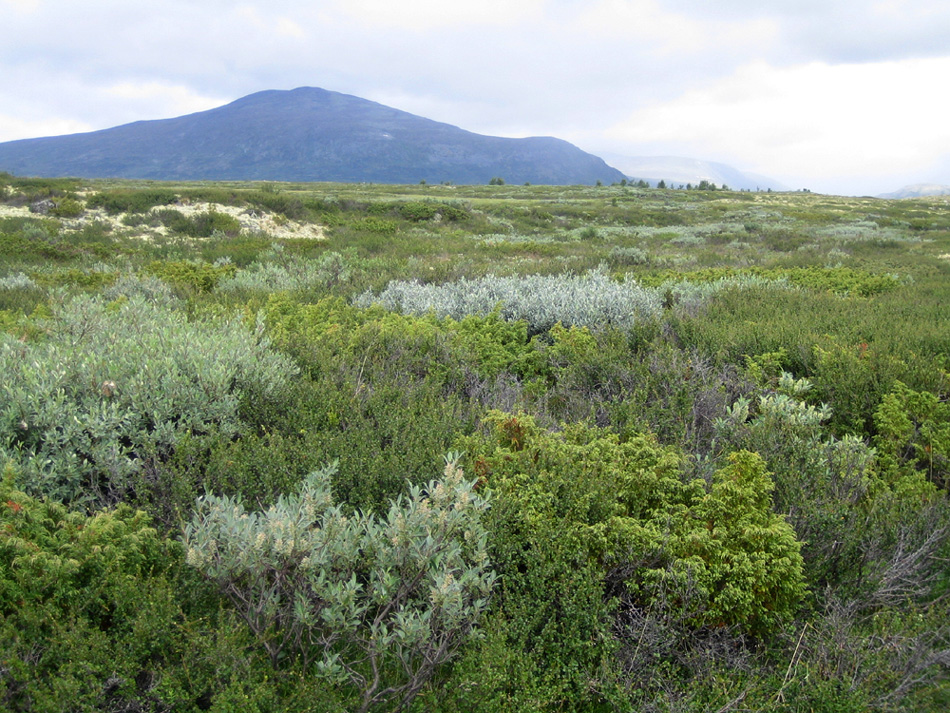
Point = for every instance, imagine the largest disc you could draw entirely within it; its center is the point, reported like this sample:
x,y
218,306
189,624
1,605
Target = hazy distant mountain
x,y
919,190
677,170
305,134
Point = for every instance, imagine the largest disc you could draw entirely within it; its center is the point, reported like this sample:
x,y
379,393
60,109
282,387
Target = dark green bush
x,y
417,211
581,514
204,225
376,225
199,225
117,200
191,276
67,208
87,608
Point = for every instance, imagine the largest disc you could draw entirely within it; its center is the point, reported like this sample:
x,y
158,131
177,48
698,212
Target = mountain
x,y
678,170
919,190
304,134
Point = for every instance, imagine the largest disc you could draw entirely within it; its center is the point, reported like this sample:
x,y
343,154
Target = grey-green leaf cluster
x,y
589,300
374,602
116,383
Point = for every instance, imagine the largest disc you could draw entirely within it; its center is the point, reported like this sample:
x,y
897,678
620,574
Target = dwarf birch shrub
x,y
376,603
590,300
193,276
115,383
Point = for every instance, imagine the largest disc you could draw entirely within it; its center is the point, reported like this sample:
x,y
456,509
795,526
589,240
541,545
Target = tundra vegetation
x,y
297,447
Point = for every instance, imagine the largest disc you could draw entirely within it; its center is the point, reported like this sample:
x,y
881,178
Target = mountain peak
x,y
304,134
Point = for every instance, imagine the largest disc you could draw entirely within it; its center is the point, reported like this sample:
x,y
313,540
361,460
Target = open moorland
x,y
340,447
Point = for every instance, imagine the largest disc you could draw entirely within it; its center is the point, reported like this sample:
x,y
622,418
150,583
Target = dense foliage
x,y
377,604
694,446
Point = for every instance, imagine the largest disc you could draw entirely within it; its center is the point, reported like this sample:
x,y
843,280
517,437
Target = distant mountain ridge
x,y
919,190
679,170
304,134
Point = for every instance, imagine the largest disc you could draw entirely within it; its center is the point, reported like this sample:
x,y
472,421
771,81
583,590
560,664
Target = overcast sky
x,y
838,96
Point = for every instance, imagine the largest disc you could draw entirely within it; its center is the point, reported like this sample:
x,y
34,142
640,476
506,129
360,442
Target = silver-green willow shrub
x,y
688,296
113,383
277,271
590,300
18,281
144,286
373,603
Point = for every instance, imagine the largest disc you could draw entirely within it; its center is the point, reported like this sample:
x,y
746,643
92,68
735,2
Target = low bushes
x,y
113,386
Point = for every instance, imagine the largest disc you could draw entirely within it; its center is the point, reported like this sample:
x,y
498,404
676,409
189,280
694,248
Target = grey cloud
x,y
552,75
840,30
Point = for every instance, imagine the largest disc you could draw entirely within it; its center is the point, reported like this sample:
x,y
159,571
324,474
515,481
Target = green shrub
x,y
293,206
204,225
115,385
385,396
86,612
913,433
593,300
86,279
34,240
199,225
191,276
120,200
583,514
860,523
377,604
742,559
373,224
840,280
67,208
99,612
417,211
496,346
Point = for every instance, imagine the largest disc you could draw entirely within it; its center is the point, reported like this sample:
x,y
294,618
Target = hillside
x,y
675,170
918,190
305,134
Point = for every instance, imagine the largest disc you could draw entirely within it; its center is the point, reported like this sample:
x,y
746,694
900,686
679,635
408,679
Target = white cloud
x,y
13,127
844,121
671,32
267,22
757,85
286,27
164,100
423,15
40,103
22,5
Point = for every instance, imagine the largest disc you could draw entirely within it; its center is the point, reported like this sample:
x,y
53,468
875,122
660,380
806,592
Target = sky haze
x,y
835,96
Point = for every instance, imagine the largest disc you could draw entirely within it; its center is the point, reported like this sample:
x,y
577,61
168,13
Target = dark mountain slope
x,y
305,134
